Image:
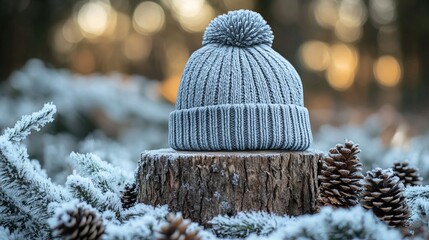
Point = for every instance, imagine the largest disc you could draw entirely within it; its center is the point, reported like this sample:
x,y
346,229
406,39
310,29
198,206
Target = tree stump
x,y
203,185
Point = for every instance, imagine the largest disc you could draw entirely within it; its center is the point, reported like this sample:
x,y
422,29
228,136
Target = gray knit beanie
x,y
237,93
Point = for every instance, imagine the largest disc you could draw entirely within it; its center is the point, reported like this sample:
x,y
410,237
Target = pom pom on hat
x,y
242,28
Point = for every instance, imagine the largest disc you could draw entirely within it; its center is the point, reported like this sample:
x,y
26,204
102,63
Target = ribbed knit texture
x,y
237,93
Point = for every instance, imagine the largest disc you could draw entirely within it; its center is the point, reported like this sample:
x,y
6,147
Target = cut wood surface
x,y
203,185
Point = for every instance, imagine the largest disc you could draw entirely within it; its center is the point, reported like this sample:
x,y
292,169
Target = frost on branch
x,y
246,223
27,123
83,188
138,228
102,174
354,223
25,190
418,200
141,209
412,193
6,234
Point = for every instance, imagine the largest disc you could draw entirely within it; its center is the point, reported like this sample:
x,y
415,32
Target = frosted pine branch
x,y
102,174
18,220
246,223
24,185
412,193
353,223
140,210
7,234
27,123
85,190
137,228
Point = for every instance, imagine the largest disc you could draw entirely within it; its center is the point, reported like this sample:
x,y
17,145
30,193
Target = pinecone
x,y
128,196
79,223
341,175
409,176
175,229
383,194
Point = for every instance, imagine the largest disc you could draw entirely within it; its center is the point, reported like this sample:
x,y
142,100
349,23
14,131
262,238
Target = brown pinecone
x,y
175,229
80,223
341,175
128,196
383,194
409,176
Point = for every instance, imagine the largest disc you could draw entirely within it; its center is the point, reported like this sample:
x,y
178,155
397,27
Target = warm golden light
x,y
199,21
123,26
352,13
342,68
169,88
93,18
346,33
187,8
344,56
177,54
148,18
71,32
315,55
136,47
340,78
60,44
326,13
387,71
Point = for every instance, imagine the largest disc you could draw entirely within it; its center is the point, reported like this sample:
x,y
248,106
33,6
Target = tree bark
x,y
203,185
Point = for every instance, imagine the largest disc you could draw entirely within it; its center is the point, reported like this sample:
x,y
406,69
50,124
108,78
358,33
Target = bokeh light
x,y
93,18
60,44
382,11
187,8
326,13
148,18
71,32
315,55
122,26
197,22
342,68
387,71
169,88
346,33
136,47
352,13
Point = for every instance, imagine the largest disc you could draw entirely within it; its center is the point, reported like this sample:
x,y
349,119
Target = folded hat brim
x,y
240,127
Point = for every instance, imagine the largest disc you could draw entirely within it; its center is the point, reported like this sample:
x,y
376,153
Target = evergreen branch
x,y
85,190
140,210
20,181
103,175
15,219
143,228
27,123
6,233
353,223
414,192
246,223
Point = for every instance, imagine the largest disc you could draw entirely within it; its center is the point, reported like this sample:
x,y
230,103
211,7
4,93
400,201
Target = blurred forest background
x,y
362,52
113,69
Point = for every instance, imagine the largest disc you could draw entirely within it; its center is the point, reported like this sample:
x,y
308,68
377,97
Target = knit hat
x,y
237,93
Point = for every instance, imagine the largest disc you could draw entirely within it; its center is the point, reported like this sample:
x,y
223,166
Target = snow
x,y
173,154
31,122
354,223
245,223
139,228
